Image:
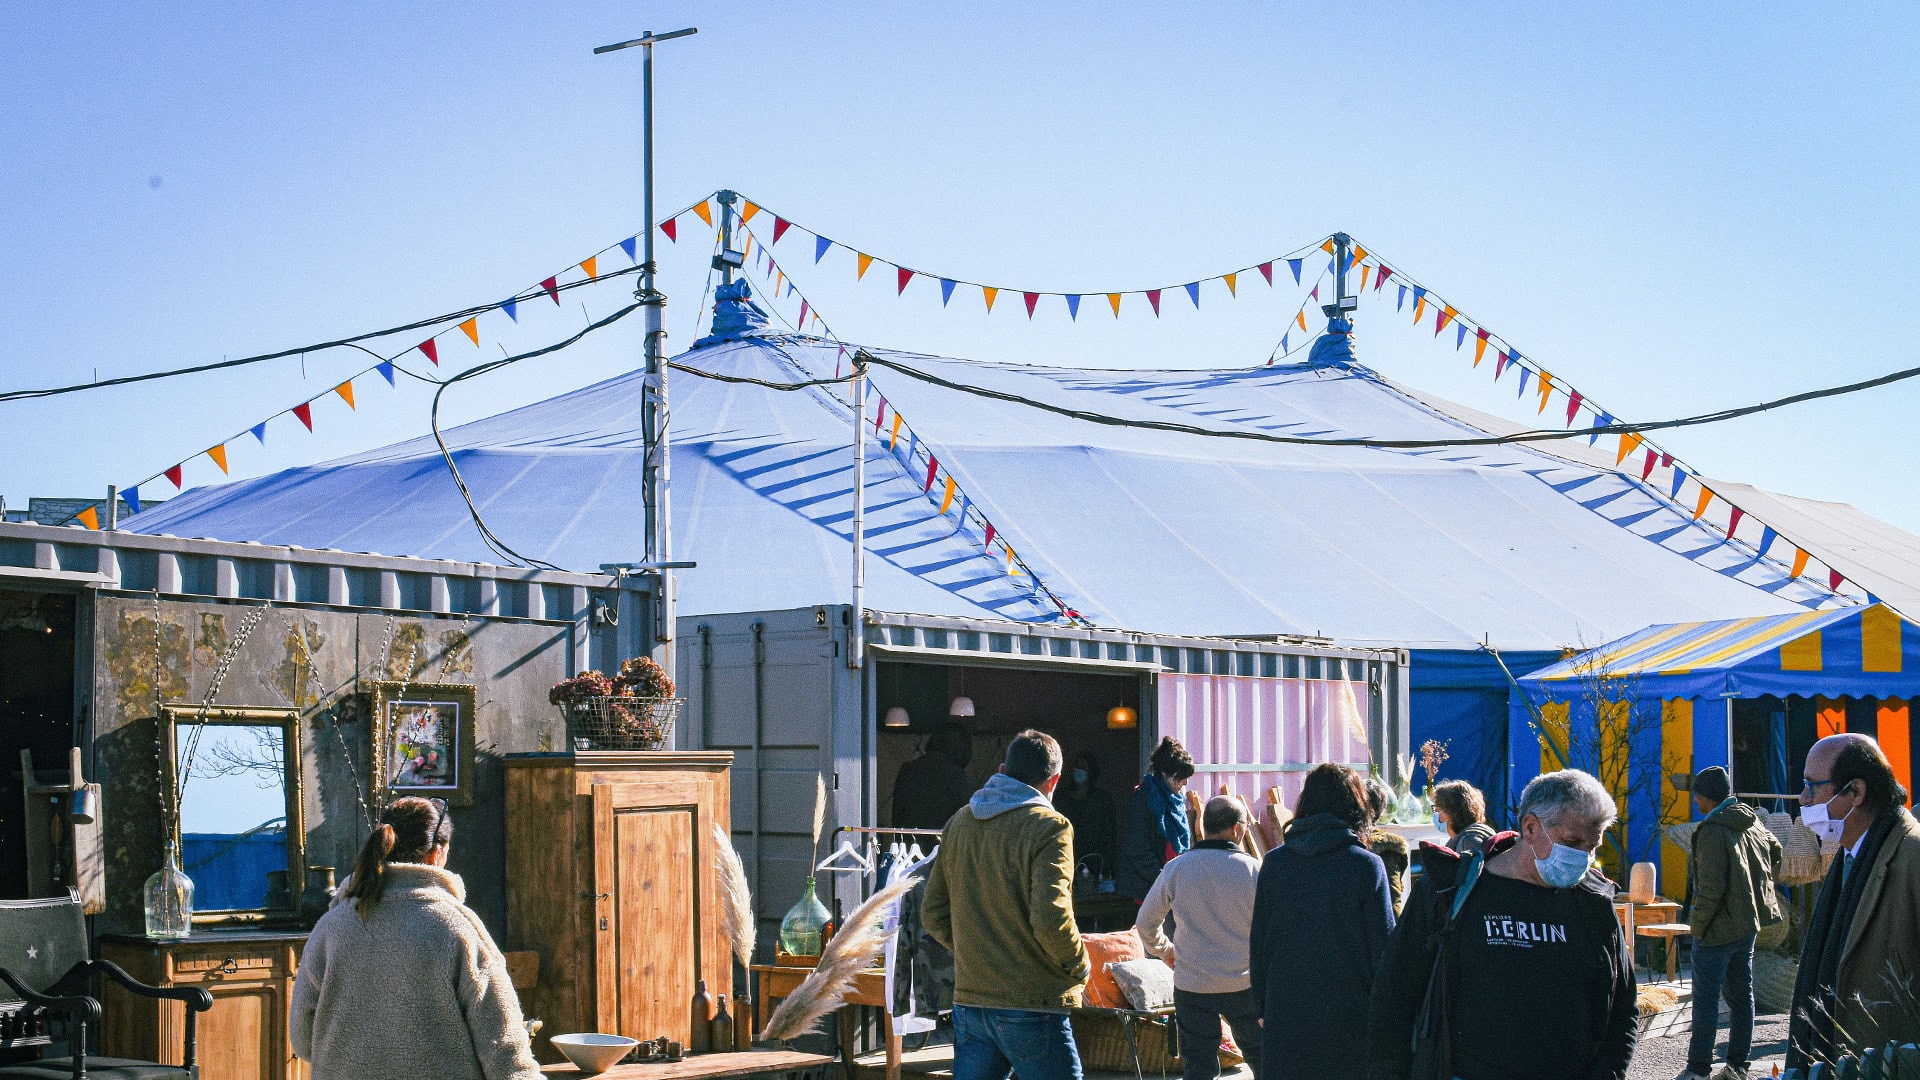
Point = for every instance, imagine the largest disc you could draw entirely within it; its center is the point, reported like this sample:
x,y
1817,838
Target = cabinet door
x,y
244,1037
650,919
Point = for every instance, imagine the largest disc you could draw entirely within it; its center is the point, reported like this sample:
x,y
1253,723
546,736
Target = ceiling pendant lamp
x,y
896,718
962,707
1122,718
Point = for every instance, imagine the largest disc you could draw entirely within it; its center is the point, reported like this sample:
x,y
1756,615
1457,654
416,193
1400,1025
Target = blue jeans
x,y
989,1043
1199,1017
1717,968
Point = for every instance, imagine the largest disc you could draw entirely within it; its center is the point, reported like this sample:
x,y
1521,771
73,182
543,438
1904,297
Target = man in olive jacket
x,y
1000,897
1730,877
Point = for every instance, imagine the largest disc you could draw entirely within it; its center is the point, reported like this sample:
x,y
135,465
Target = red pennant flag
x,y
672,229
1833,580
1666,461
933,466
780,227
553,290
1266,271
173,474
803,314
1733,520
1573,406
989,543
879,415
905,275
304,411
1153,297
1647,469
1385,273
432,351
1032,299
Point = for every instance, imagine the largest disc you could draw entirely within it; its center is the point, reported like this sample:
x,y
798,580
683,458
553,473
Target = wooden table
x,y
709,1067
774,982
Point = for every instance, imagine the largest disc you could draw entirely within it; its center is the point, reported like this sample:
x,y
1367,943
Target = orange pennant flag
x,y
1327,246
1546,390
472,327
1706,497
895,439
706,215
345,390
592,264
1114,299
1359,253
1012,569
1364,271
219,456
1629,442
990,292
747,210
89,517
746,248
1231,291
866,260
1419,305
1799,562
947,503
1479,345
1301,315
779,282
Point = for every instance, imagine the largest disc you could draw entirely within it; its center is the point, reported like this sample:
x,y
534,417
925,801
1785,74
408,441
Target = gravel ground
x,y
1663,1058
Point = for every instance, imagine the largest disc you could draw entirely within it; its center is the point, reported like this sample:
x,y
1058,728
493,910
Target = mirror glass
x,y
233,811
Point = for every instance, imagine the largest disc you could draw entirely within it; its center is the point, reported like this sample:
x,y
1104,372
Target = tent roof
x,y
1139,528
1861,651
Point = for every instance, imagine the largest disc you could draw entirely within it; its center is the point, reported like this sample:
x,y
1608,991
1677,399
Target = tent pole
x,y
857,633
1342,245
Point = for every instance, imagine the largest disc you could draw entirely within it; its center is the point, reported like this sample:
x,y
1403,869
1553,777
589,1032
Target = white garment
x,y
907,1023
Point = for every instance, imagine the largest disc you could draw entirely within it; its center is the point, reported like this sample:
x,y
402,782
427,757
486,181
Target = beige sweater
x,y
416,989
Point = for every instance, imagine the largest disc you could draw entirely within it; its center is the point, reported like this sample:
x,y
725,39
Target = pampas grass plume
x,y
853,949
736,903
819,808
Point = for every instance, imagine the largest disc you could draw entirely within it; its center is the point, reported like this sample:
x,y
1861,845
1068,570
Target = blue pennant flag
x,y
1679,478
820,246
1599,422
1767,536
1283,343
1872,599
964,504
509,307
946,291
386,372
1419,294
260,432
631,245
1460,338
132,495
1073,306
1294,265
1193,293
1525,374
913,444
1402,301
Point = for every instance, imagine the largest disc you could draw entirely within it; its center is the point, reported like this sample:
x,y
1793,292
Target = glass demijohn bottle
x,y
800,931
169,899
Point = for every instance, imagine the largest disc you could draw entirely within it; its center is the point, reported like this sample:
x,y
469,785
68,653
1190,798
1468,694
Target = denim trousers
x,y
1718,968
989,1043
1199,1017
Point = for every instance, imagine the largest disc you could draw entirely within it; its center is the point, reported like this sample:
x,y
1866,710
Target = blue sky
x,y
1673,208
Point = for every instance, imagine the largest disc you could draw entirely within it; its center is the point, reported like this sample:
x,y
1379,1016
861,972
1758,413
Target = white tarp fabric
x,y
1168,532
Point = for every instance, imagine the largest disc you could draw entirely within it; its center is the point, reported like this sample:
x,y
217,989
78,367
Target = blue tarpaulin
x,y
1460,698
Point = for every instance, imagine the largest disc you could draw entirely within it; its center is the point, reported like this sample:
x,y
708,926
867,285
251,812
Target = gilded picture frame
x,y
423,741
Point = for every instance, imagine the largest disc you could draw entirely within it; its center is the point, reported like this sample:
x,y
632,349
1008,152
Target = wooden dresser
x,y
250,975
610,878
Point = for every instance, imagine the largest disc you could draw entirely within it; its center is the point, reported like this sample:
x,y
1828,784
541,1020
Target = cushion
x,y
98,1068
1105,949
1147,984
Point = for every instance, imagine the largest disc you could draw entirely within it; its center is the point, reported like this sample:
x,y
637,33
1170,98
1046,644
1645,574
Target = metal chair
x,y
43,961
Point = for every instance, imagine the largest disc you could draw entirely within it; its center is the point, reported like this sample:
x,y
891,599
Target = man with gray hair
x,y
1511,963
1209,890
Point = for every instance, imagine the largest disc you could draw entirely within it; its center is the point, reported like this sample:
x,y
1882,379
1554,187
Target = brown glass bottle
x,y
703,1009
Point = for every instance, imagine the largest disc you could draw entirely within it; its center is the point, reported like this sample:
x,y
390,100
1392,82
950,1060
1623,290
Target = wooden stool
x,y
1671,933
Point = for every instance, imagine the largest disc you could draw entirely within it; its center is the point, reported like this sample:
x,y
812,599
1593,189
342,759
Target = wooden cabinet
x,y
610,878
243,1037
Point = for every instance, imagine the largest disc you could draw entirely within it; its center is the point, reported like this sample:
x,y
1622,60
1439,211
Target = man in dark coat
x,y
931,788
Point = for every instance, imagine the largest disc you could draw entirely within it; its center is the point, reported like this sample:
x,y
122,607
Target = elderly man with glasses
x,y
1861,950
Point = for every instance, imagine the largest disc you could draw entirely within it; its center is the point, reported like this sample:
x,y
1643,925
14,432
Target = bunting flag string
x,y
911,451
385,367
1547,385
1032,298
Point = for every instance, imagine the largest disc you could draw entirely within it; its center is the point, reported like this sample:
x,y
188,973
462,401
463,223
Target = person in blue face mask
x,y
1534,978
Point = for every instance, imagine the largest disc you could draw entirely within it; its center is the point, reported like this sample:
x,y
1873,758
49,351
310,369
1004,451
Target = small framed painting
x,y
423,741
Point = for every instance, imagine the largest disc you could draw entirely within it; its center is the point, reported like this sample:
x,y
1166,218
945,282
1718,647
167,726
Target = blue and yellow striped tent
x,y
1748,694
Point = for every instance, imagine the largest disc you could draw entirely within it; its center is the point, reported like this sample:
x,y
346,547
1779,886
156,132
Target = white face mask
x,y
1817,818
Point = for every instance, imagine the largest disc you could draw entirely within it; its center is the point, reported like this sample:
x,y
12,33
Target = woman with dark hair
x,y
1322,908
400,978
1157,824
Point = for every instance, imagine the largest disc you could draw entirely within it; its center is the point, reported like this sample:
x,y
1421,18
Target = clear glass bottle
x,y
169,899
802,930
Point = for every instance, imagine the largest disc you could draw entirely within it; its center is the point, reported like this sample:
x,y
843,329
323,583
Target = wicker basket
x,y
621,723
1101,1037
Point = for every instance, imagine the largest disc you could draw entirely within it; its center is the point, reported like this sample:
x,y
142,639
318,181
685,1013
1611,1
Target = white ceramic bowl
x,y
592,1053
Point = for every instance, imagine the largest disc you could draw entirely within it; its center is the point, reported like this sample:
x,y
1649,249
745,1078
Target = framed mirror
x,y
241,830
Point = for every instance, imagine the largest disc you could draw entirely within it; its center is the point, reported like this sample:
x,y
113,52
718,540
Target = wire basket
x,y
621,723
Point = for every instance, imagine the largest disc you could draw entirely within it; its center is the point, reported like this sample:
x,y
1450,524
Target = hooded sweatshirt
x,y
1000,898
416,988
